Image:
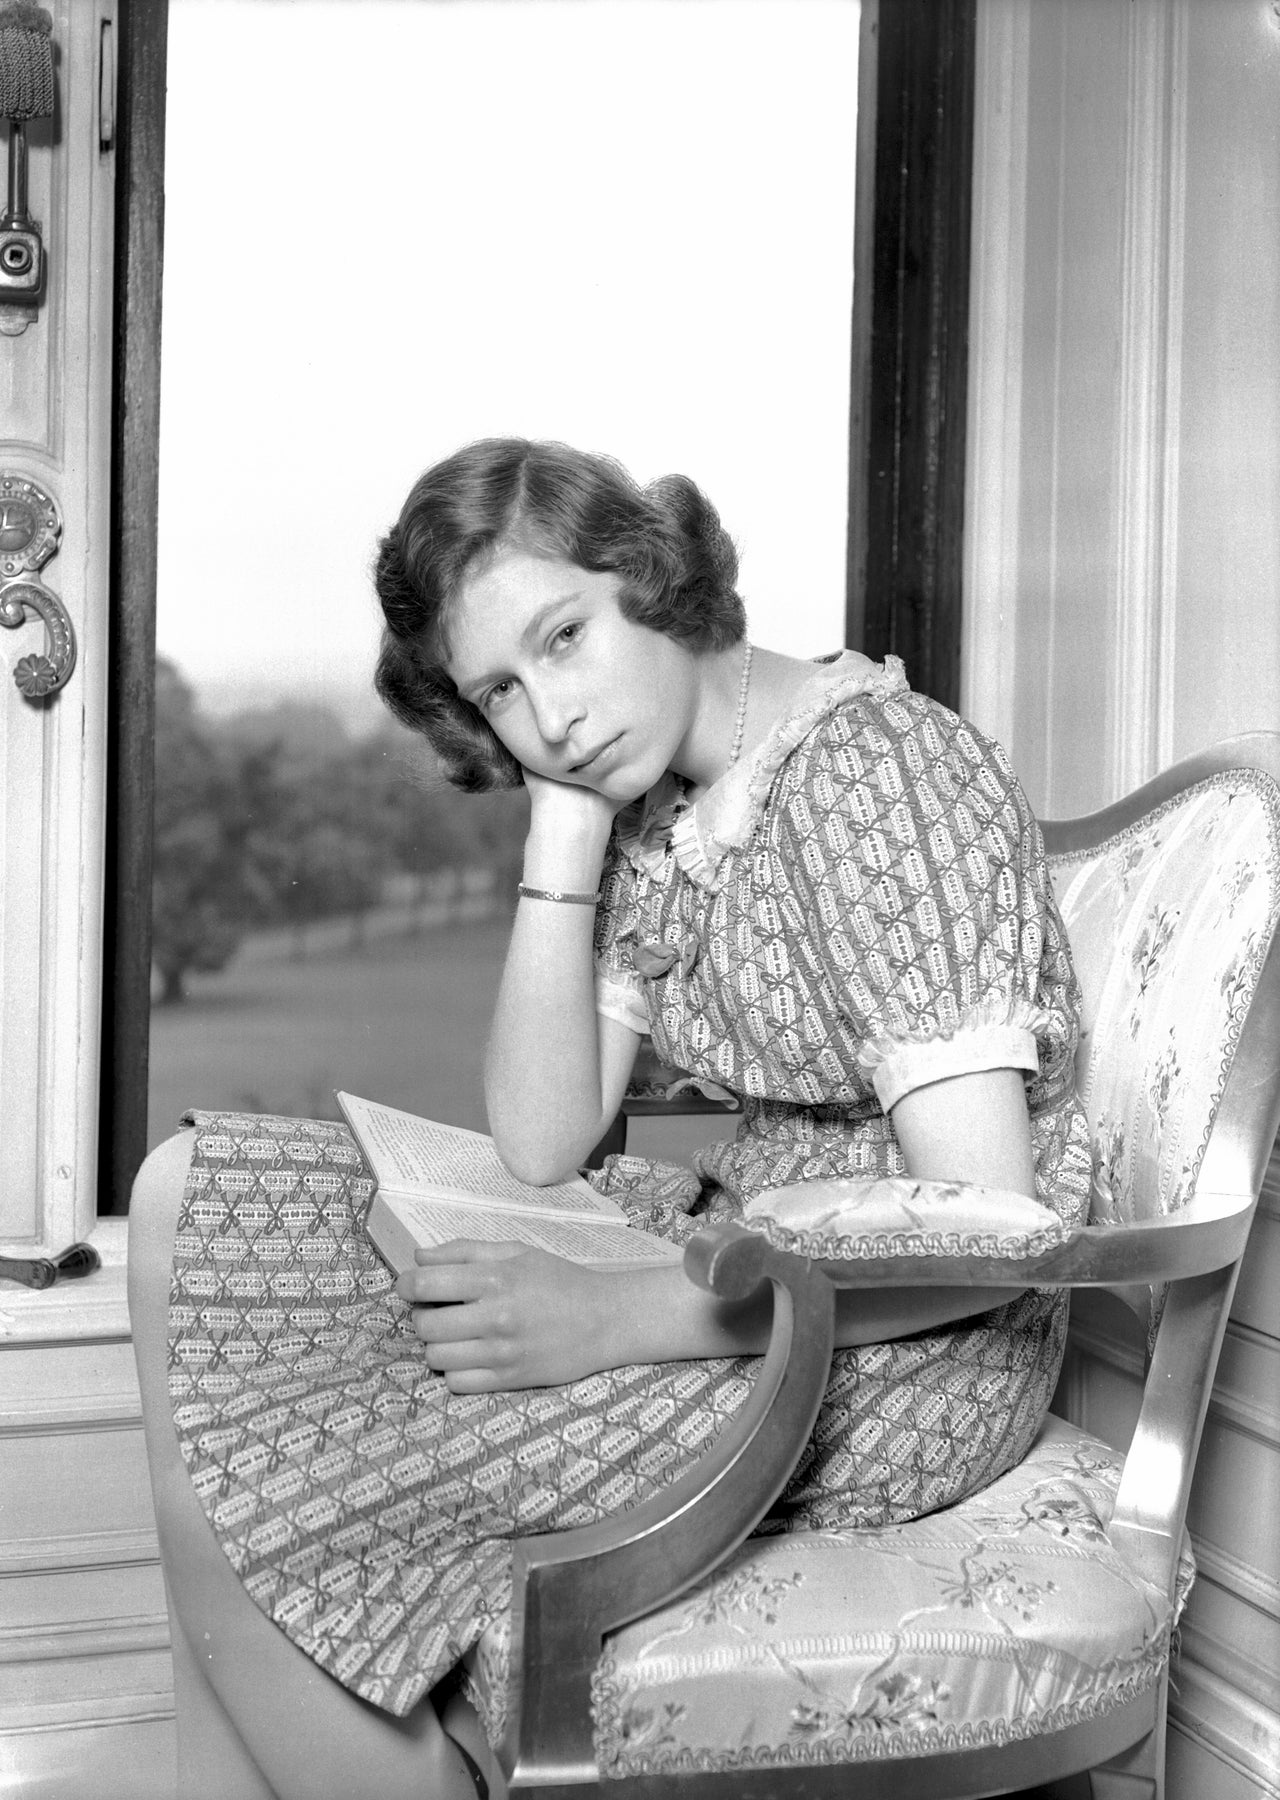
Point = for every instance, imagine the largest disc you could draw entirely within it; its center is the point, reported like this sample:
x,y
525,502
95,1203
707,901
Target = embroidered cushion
x,y
1002,1617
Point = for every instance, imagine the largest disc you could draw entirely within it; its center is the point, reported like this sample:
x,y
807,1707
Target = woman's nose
x,y
556,710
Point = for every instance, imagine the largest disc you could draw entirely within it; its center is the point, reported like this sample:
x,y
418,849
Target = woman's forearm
x,y
659,1315
543,1080
499,1316
551,1089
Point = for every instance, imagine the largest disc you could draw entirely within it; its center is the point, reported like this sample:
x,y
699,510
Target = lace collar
x,y
699,834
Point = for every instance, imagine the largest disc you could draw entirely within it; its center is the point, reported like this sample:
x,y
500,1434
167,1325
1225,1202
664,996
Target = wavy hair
x,y
678,569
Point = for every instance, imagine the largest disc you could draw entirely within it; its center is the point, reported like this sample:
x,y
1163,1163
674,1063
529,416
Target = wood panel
x,y
1123,558
86,1686
86,1679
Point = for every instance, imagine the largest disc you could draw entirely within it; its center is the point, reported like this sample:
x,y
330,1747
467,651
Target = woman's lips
x,y
593,764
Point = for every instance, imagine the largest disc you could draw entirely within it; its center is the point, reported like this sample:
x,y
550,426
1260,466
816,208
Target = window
x,y
624,223
915,96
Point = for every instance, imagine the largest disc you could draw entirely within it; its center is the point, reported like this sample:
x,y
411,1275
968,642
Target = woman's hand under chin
x,y
569,828
569,801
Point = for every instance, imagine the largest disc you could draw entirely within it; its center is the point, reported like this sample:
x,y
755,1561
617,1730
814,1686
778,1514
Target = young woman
x,y
809,886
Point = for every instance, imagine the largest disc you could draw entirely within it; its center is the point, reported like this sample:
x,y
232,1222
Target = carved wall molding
x,y
993,467
1148,420
1042,567
1231,1734
1260,1587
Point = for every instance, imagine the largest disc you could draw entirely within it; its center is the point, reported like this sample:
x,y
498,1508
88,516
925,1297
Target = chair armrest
x,y
670,1106
570,1588
1197,1252
1210,1232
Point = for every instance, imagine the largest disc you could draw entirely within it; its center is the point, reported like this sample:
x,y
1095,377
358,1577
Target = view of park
x,y
327,915
324,915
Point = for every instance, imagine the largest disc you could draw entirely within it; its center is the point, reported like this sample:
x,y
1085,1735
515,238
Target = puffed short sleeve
x,y
918,873
620,992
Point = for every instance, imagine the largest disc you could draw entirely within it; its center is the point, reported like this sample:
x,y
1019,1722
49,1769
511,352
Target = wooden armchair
x,y
1025,1633
1018,1636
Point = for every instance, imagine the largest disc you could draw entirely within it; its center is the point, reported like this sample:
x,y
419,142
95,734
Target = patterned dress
x,y
858,909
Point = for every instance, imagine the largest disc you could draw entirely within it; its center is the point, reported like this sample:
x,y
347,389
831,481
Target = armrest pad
x,y
900,1216
1020,1245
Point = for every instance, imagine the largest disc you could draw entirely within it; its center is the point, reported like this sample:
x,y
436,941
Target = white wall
x,y
1123,570
1123,592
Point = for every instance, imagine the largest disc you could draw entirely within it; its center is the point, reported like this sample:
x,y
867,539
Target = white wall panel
x,y
1122,603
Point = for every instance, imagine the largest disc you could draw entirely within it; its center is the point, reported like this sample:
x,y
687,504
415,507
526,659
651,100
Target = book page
x,y
432,1221
407,1152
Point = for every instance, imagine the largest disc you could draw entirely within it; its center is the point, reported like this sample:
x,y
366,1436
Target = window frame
x,y
906,463
911,337
135,494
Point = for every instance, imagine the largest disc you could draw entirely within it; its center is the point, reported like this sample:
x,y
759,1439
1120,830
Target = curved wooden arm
x,y
1197,1252
1151,1506
570,1588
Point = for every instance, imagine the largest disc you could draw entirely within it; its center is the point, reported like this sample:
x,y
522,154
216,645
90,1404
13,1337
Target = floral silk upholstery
x,y
1010,1613
1170,923
997,1618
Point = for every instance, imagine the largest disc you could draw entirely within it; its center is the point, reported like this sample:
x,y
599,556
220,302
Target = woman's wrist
x,y
658,1315
559,869
566,846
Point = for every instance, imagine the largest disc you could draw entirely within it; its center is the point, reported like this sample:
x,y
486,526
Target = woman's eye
x,y
568,634
494,696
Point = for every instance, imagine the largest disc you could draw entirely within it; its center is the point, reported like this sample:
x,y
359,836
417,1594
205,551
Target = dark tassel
x,y
26,61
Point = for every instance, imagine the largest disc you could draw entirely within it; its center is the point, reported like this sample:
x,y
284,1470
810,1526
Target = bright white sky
x,y
396,225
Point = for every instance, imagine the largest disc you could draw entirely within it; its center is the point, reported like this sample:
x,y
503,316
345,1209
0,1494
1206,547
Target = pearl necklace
x,y
739,723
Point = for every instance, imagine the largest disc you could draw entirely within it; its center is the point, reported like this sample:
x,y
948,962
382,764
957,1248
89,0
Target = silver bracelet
x,y
533,893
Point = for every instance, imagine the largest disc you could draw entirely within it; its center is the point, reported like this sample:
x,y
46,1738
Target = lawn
x,y
403,1021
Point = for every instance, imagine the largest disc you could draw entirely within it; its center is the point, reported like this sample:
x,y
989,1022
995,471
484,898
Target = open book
x,y
437,1182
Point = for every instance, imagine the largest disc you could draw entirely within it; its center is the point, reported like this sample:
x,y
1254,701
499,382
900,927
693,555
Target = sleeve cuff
x,y
622,1000
899,1066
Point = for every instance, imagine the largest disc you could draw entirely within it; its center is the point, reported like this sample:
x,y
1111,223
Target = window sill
x,y
95,1307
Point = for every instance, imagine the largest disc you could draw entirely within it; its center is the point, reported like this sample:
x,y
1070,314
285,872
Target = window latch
x,y
43,1271
26,92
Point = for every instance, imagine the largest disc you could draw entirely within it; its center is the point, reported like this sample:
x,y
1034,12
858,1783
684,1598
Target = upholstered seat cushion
x,y
1004,1616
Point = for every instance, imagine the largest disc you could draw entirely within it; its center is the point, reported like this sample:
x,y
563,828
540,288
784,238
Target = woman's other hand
x,y
496,1316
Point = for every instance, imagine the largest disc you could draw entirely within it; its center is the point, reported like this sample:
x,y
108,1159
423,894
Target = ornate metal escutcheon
x,y
30,527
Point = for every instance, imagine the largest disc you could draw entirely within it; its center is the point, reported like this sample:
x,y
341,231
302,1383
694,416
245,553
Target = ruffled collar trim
x,y
699,834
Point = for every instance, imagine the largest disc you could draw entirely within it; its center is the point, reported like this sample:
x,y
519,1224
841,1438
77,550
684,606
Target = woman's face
x,y
575,690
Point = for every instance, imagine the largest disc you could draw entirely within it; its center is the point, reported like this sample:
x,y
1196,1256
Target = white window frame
x,y
56,431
